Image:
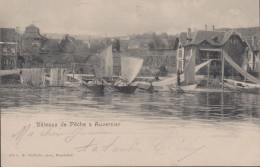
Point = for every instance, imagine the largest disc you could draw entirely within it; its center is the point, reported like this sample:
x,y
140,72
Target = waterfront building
x,y
208,44
32,36
8,41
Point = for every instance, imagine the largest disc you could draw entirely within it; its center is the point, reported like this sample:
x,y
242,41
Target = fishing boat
x,y
253,87
241,86
183,89
96,86
130,67
103,67
169,84
188,84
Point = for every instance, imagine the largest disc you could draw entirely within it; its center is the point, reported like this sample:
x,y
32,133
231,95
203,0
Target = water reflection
x,y
201,106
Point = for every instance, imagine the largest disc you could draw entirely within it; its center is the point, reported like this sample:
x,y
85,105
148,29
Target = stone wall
x,y
153,60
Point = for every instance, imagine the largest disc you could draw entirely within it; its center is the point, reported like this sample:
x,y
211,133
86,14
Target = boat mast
x,y
222,68
105,54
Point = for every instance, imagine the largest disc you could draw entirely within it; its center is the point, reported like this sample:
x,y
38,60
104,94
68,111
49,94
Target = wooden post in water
x,y
73,69
222,69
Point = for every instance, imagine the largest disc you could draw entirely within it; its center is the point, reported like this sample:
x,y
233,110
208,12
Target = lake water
x,y
201,128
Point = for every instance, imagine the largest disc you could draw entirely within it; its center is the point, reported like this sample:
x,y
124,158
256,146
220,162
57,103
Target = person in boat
x,y
179,77
156,78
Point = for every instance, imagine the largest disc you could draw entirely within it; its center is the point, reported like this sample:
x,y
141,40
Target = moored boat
x,y
95,86
126,89
188,84
130,67
241,86
253,87
103,67
184,88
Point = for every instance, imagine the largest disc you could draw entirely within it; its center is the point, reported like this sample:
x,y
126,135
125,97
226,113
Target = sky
x,y
124,17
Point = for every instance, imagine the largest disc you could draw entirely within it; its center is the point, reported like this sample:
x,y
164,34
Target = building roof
x,y
33,35
215,38
244,32
33,32
8,35
247,31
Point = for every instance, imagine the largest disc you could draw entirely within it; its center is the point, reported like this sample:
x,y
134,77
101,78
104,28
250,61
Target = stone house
x,y
9,46
32,36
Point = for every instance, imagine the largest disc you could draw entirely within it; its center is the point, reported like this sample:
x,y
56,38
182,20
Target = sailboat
x,y
189,83
130,67
103,67
168,84
253,87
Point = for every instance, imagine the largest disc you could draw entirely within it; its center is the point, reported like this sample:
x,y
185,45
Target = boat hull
x,y
126,89
182,89
242,86
95,88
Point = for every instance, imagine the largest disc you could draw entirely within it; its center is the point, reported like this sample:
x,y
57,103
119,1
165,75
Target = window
x,y
180,65
180,53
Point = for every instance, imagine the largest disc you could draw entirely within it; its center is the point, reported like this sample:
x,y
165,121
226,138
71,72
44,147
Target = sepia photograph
x,y
129,83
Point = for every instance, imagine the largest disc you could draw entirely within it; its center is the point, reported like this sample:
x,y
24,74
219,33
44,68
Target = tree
x,y
162,70
151,45
157,41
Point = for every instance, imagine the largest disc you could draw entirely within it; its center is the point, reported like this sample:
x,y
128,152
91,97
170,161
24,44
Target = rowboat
x,y
241,86
95,86
183,89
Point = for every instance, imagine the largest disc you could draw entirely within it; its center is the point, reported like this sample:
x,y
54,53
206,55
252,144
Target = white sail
x,y
198,67
239,69
103,63
130,67
189,71
108,72
173,80
58,77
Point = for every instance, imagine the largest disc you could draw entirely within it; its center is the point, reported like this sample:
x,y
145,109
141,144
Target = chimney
x,y
205,27
213,28
253,40
17,30
189,33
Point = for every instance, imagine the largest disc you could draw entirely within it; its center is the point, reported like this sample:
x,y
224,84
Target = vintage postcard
x,y
130,83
